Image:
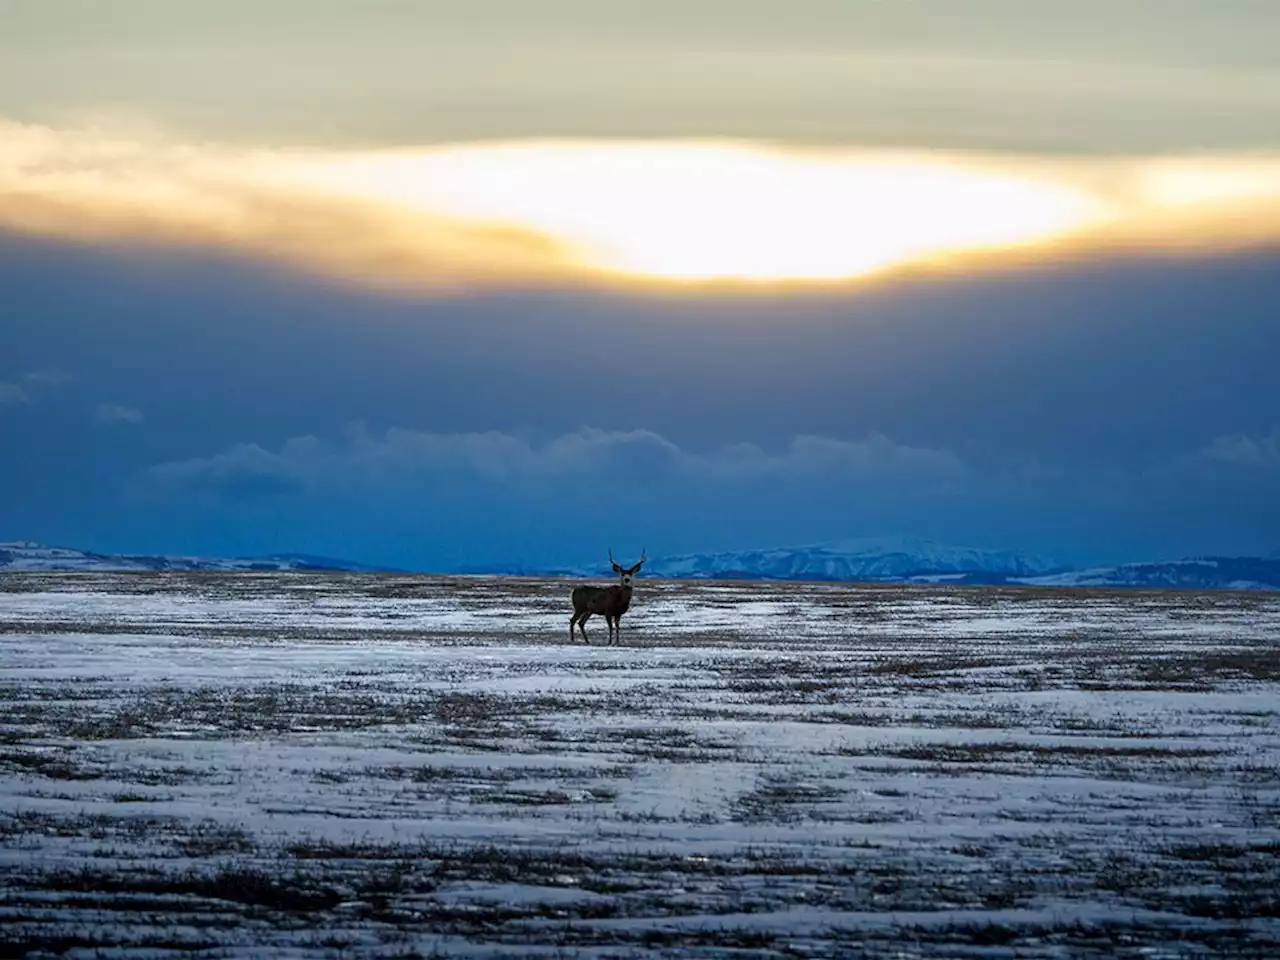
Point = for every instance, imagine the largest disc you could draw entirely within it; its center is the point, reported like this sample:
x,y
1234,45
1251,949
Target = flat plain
x,y
289,765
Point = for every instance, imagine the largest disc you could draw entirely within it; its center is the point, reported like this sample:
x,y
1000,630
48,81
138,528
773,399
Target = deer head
x,y
626,573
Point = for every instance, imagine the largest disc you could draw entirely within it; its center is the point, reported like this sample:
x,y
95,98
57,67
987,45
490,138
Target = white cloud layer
x,y
12,393
403,458
1246,452
109,413
495,471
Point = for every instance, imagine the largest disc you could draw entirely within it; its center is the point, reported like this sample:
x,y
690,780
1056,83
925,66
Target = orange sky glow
x,y
600,212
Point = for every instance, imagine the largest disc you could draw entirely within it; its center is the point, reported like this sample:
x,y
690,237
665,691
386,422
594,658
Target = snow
x,y
1229,573
28,556
355,765
857,559
883,559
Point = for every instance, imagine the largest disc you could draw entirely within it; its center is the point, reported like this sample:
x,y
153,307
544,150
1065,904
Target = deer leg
x,y
582,625
610,621
572,621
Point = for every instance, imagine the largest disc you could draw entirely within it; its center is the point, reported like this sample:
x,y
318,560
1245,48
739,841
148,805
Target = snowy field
x,y
256,765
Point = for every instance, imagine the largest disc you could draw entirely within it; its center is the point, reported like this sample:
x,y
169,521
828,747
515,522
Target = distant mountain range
x,y
925,561
897,558
893,560
914,560
1202,573
23,555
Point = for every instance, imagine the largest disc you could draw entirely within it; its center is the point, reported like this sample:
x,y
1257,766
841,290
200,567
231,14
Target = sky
x,y
442,284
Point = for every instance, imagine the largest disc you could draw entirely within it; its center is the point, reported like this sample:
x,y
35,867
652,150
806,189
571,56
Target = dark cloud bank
x,y
1096,412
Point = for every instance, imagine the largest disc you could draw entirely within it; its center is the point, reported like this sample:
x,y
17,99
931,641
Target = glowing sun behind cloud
x,y
698,211
622,212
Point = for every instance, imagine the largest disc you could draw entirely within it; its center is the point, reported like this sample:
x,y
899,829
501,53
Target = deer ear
x,y
617,569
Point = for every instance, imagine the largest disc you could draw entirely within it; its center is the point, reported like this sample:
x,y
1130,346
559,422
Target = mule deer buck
x,y
610,601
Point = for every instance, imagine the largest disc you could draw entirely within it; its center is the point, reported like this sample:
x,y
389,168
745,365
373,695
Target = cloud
x,y
629,461
111,413
639,462
1244,452
245,471
1231,476
25,387
51,379
876,455
1241,467
624,212
12,393
441,498
95,186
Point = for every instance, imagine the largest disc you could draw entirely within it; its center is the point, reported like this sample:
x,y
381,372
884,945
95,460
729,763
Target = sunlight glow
x,y
710,211
622,212
1178,183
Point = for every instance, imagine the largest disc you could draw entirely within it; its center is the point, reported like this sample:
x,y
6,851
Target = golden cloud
x,y
621,212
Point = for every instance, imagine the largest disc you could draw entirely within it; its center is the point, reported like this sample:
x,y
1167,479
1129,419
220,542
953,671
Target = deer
x,y
610,601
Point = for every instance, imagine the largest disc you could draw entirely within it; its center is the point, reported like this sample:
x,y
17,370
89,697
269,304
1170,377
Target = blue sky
x,y
261,290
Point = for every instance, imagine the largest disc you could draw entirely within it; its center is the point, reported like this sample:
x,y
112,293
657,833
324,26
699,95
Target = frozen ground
x,y
380,766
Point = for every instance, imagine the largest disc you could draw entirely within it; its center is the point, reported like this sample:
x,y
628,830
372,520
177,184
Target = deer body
x,y
611,602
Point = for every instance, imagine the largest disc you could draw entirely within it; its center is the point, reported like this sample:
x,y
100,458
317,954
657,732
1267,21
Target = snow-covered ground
x,y
350,765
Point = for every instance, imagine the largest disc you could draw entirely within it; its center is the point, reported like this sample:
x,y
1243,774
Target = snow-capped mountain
x,y
23,555
896,558
899,559
1204,573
